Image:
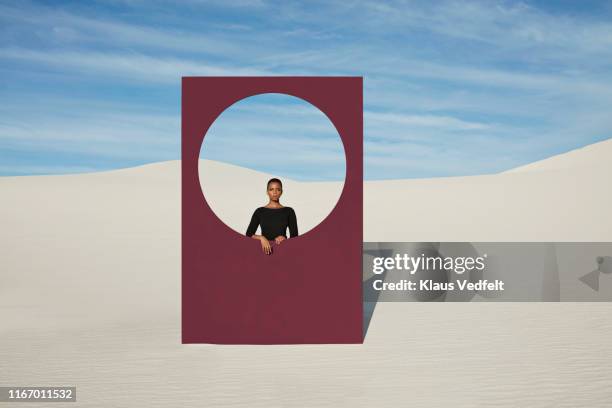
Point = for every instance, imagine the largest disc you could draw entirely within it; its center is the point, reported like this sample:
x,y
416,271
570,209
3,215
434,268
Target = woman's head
x,y
274,189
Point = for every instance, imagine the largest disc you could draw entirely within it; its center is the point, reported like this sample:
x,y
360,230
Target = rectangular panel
x,y
310,290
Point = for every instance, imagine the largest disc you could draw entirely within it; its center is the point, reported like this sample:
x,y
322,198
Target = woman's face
x,y
275,191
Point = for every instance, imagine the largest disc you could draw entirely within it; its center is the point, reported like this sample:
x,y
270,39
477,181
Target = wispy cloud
x,y
110,134
279,134
132,66
434,121
450,87
62,27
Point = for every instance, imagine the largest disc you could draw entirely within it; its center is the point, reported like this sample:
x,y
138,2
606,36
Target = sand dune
x,y
563,198
90,296
596,155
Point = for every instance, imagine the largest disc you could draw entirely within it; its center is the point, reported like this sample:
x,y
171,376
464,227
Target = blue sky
x,y
450,88
280,135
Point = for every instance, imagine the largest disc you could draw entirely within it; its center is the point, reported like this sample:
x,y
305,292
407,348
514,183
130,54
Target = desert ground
x,y
90,284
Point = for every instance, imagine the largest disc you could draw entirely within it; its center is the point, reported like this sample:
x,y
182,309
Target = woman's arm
x,y
252,228
293,228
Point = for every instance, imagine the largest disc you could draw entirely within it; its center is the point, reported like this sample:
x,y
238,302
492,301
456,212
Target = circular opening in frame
x,y
272,165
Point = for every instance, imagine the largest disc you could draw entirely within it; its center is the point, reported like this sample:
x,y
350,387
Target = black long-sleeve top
x,y
274,222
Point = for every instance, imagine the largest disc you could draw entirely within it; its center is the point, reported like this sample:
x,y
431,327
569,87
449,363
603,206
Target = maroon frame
x,y
310,289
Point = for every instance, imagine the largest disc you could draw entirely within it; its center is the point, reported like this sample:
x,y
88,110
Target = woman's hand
x,y
265,245
279,239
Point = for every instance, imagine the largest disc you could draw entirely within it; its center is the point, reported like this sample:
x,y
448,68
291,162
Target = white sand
x,y
90,296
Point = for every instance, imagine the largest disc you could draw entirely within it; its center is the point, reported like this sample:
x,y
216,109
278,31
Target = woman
x,y
273,218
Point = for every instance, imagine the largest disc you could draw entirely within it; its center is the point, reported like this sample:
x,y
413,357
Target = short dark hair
x,y
274,180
